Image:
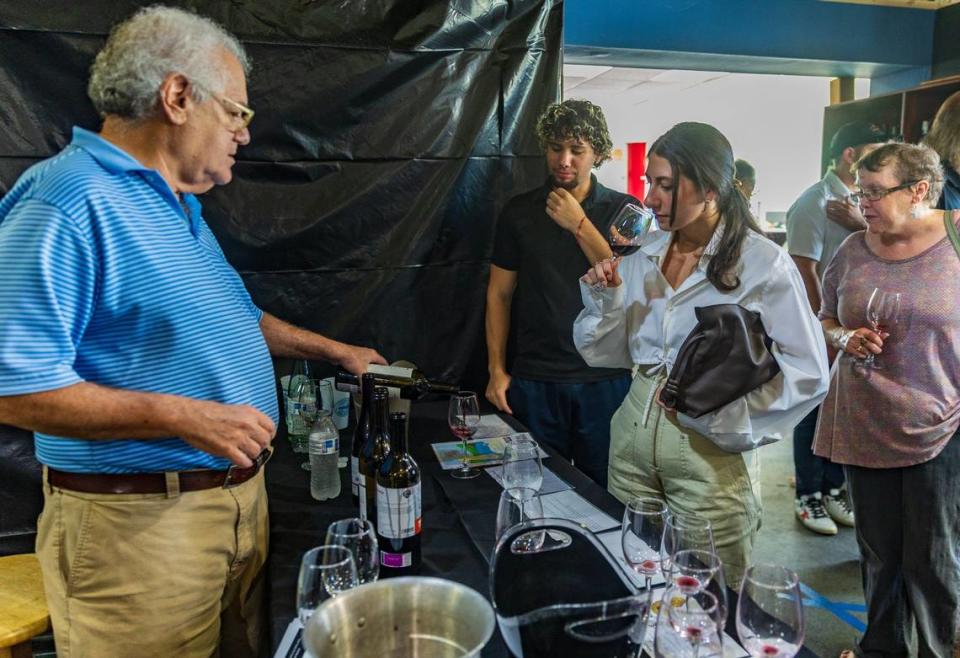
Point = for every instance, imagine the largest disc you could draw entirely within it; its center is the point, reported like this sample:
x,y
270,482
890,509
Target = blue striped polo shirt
x,y
105,278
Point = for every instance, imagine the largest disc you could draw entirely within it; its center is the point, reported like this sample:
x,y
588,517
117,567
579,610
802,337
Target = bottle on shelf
x,y
360,436
374,451
324,449
412,383
399,517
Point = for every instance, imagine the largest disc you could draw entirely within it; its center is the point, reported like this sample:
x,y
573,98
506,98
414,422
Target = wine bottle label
x,y
398,511
355,475
396,560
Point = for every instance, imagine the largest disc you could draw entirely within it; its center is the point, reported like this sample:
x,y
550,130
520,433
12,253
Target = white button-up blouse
x,y
644,321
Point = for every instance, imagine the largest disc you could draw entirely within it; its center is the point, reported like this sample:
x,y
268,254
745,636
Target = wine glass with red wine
x,y
627,231
770,612
641,534
463,417
883,310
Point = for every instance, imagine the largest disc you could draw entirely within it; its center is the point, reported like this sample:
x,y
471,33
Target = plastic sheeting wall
x,y
388,135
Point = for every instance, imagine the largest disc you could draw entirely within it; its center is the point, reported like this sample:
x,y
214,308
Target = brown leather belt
x,y
146,483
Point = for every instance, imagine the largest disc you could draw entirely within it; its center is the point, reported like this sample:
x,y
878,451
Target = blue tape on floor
x,y
836,608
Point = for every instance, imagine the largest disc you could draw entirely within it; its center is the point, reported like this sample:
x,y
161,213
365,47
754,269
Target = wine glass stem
x,y
696,649
647,581
463,456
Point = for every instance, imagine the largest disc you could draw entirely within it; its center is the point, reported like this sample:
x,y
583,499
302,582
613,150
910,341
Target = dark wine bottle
x,y
360,436
398,506
374,451
412,384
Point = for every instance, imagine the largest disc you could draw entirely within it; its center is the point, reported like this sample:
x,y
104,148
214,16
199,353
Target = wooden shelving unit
x,y
901,114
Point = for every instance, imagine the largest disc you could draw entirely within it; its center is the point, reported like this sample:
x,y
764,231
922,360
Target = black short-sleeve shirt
x,y
549,263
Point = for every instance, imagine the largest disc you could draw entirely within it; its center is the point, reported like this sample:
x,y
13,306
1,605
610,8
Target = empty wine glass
x,y
684,532
627,231
770,612
642,534
521,463
883,309
697,621
359,536
463,417
325,571
516,506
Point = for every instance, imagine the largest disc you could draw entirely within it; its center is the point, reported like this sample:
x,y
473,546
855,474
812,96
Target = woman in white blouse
x,y
708,251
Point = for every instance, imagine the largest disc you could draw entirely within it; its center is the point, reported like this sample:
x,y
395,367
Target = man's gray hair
x,y
143,50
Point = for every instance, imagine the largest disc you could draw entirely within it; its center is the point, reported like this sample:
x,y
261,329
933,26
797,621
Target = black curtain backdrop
x,y
388,135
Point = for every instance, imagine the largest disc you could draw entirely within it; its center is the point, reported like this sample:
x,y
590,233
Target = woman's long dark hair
x,y
702,154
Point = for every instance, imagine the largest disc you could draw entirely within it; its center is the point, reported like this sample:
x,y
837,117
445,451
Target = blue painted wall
x,y
791,29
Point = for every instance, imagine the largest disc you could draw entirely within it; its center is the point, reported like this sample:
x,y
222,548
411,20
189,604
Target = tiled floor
x,y
827,565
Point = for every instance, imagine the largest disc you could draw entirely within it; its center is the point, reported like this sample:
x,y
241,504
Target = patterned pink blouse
x,y
904,412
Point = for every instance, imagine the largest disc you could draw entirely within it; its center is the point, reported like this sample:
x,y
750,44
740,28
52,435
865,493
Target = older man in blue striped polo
x,y
131,348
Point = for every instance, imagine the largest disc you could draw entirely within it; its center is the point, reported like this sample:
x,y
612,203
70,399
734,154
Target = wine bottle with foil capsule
x,y
399,509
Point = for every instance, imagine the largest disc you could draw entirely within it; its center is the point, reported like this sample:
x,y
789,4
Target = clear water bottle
x,y
324,448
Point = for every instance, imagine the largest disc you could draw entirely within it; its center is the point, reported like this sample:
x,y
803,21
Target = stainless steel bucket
x,y
409,617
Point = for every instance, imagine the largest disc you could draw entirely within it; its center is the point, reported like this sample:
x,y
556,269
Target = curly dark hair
x,y
576,119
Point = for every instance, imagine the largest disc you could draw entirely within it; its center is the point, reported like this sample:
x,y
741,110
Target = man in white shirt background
x,y
817,223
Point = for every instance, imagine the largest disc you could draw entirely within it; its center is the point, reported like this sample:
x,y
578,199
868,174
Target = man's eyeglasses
x,y
240,115
875,195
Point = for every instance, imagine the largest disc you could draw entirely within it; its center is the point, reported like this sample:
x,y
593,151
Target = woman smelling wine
x,y
640,309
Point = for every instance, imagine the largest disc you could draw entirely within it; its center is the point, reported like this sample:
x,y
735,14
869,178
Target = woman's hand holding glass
x,y
603,275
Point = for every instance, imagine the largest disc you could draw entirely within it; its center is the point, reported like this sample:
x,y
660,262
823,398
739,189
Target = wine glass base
x,y
465,473
305,466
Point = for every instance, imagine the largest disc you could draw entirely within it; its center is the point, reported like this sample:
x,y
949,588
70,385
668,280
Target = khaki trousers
x,y
141,575
651,455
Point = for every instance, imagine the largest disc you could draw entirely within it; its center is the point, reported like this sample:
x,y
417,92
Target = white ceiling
x,y
630,85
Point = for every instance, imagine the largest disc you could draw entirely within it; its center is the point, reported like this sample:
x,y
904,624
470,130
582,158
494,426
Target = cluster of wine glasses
x,y
348,557
690,616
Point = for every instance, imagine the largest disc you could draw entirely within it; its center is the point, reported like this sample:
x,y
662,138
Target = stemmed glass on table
x,y
627,231
325,571
641,535
359,536
521,463
517,505
688,624
463,417
883,310
770,612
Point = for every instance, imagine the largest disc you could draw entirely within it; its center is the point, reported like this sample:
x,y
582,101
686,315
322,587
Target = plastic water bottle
x,y
324,448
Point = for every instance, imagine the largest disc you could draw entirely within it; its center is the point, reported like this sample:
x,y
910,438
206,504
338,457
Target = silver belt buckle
x,y
235,472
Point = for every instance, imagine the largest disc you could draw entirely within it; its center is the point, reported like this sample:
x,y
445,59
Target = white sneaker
x,y
811,514
838,507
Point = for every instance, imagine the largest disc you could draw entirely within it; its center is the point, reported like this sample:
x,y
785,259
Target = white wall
x,y
775,122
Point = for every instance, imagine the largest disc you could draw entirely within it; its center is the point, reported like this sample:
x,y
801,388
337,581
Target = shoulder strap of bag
x,y
952,233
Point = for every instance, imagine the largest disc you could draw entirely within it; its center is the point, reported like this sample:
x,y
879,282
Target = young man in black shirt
x,y
545,238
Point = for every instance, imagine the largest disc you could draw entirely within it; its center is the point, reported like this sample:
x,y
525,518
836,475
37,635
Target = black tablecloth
x,y
459,517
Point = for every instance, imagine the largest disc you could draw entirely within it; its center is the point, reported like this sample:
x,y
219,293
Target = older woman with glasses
x,y
892,293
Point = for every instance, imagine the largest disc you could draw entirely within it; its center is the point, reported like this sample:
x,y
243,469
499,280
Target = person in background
x,y
641,308
545,238
944,138
745,177
894,426
133,351
817,223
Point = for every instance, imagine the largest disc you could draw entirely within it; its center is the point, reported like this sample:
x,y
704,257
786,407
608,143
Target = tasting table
x,y
459,517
